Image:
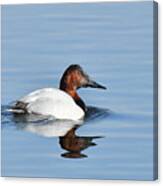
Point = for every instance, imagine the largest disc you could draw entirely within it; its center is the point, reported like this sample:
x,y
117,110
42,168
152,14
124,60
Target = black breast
x,y
81,104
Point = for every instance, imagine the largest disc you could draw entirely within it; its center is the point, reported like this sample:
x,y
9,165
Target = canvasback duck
x,y
62,103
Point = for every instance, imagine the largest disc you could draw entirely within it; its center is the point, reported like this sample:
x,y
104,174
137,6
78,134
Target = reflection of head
x,y
73,155
75,144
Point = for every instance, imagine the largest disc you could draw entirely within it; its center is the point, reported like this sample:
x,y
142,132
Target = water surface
x,y
113,43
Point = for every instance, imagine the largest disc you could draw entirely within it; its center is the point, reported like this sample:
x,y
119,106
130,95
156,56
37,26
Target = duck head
x,y
74,78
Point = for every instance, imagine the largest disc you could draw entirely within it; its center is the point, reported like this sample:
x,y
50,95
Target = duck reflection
x,y
75,144
65,130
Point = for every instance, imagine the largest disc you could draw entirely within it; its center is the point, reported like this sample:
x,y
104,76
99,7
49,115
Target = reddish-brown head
x,y
74,78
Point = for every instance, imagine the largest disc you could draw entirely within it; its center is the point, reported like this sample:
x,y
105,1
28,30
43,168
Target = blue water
x,y
113,43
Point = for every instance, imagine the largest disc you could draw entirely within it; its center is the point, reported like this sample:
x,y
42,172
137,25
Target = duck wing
x,y
50,101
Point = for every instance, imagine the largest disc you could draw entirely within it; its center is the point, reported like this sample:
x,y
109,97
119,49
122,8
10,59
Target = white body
x,y
52,101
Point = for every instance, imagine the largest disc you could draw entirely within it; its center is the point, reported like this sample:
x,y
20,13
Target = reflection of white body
x,y
52,101
49,127
52,128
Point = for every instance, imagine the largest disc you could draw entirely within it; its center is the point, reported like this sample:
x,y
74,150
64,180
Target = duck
x,y
61,103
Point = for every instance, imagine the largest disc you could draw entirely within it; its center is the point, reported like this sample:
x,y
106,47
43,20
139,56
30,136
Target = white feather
x,y
52,101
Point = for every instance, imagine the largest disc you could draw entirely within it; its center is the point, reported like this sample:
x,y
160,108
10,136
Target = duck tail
x,y
19,108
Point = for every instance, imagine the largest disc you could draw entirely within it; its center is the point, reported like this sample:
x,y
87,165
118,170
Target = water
x,y
113,43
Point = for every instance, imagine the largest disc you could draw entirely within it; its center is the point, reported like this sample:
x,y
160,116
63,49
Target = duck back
x,y
52,101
